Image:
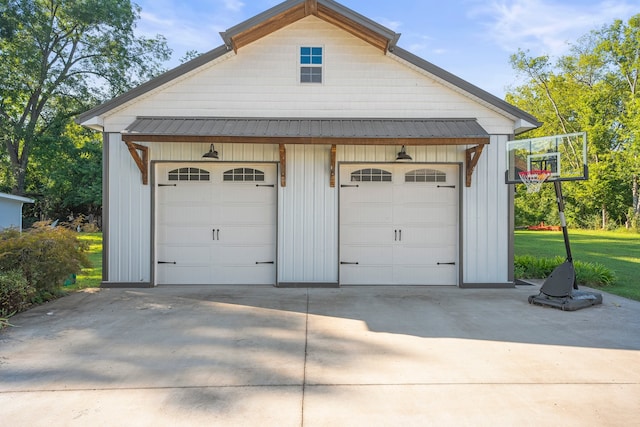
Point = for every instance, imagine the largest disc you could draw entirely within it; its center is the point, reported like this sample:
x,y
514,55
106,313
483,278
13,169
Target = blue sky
x,y
470,38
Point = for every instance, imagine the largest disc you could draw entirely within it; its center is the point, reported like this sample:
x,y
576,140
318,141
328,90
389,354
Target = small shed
x,y
11,210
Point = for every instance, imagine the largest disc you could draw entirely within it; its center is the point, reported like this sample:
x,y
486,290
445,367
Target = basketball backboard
x,y
565,156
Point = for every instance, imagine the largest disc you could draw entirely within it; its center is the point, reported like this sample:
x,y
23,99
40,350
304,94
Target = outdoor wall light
x,y
212,154
402,155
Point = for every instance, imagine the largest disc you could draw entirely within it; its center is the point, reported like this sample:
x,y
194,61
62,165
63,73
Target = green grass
x,y
90,277
617,250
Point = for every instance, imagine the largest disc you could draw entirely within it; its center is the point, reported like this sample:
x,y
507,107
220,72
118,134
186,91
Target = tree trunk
x,y
636,201
604,217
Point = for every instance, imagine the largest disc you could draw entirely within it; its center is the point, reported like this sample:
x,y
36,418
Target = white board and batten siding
x,y
308,208
261,80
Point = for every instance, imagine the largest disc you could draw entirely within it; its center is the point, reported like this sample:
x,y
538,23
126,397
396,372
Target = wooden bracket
x,y
472,157
142,163
332,168
283,166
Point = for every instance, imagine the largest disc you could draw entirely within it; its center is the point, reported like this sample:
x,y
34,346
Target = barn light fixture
x,y
212,154
402,155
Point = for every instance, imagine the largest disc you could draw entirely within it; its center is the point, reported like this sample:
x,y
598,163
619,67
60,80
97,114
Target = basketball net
x,y
533,179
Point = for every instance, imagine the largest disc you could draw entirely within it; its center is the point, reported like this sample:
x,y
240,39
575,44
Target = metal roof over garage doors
x,y
370,131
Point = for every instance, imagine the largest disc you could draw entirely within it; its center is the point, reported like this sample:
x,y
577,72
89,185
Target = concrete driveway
x,y
358,356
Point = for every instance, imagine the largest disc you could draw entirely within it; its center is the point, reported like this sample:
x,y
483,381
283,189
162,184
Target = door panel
x,y
216,231
397,232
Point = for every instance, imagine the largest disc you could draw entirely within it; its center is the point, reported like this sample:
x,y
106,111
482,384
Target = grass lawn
x,y
617,250
90,277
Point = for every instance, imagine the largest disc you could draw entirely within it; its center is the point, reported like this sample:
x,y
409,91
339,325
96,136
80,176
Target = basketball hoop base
x,y
560,291
576,301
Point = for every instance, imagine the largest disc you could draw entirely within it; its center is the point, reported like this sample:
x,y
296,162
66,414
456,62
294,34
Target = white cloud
x,y
545,26
390,24
233,5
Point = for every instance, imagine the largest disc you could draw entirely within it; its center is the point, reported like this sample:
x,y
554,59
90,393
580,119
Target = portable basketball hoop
x,y
554,159
533,179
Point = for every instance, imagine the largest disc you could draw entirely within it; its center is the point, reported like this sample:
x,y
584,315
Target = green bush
x,y
45,256
15,293
587,273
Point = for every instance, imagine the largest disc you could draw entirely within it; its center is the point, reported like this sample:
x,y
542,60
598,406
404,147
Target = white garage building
x,y
307,150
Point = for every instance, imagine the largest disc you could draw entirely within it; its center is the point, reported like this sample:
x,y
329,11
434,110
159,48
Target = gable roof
x,y
332,12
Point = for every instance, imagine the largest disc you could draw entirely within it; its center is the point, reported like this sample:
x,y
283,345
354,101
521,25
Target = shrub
x,y
587,273
15,293
44,255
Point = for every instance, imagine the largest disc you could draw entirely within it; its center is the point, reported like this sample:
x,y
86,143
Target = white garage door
x,y
399,224
216,223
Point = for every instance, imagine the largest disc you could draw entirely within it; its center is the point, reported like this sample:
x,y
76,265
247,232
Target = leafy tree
x,y
65,174
57,57
593,89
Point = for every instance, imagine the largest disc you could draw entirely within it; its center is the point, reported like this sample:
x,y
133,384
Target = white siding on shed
x,y
129,217
307,229
486,228
262,80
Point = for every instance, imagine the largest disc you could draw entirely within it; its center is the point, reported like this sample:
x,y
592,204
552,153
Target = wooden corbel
x,y
472,157
283,166
142,163
332,168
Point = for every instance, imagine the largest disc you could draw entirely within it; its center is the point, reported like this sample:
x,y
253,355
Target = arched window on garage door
x,y
189,174
425,175
371,175
243,175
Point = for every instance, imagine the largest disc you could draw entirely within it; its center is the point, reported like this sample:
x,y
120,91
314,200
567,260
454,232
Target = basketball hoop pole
x,y
563,221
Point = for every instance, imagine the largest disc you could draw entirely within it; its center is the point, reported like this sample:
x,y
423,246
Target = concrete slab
x,y
244,355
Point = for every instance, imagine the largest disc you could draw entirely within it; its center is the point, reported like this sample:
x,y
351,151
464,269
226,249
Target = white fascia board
x,y
522,125
95,123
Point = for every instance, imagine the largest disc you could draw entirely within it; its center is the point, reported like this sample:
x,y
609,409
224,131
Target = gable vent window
x,y
189,174
425,175
371,175
311,64
243,175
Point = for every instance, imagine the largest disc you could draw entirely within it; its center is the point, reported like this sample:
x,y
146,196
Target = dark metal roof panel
x,y
304,127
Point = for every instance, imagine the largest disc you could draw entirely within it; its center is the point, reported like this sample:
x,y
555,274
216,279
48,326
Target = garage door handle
x,y
167,262
348,186
349,263
216,234
446,263
446,186
265,262
265,185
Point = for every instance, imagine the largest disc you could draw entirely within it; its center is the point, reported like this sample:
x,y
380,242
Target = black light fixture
x,y
402,155
212,154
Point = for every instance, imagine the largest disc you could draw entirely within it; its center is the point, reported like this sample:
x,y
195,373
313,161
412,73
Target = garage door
x,y
399,224
216,223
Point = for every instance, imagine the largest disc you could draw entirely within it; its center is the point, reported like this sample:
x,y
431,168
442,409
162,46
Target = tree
x,y
58,57
593,89
65,174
